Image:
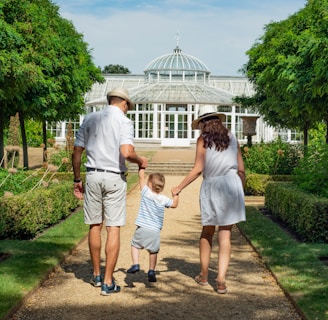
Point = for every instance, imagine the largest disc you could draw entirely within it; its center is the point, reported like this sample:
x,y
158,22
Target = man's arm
x,y
76,162
128,152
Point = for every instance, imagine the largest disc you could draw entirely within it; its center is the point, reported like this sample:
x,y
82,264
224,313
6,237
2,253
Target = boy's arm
x,y
175,201
142,179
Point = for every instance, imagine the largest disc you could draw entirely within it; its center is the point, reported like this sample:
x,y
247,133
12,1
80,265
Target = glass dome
x,y
177,67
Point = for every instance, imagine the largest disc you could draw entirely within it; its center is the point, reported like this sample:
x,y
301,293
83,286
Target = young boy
x,y
149,221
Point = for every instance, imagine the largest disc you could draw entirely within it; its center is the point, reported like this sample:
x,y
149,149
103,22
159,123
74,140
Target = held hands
x,y
175,191
78,190
144,163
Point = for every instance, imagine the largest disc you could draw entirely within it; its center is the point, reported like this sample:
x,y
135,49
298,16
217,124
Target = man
x,y
107,137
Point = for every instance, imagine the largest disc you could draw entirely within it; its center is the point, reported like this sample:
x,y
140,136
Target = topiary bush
x,y
306,214
25,215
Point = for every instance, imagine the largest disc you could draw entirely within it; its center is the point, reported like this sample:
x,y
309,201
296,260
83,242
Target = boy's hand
x,y
175,191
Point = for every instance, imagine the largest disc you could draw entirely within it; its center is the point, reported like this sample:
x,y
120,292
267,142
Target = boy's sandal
x,y
221,287
199,279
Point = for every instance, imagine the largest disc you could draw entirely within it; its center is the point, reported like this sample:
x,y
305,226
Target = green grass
x,y
31,261
296,265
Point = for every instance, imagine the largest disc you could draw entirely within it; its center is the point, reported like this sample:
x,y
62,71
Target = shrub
x,y
24,216
17,181
305,213
272,158
312,173
256,183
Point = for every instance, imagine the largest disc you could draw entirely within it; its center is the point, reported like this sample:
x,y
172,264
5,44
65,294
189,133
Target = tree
x,y
47,69
286,68
115,69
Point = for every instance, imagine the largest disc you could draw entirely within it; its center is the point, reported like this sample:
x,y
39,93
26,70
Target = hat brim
x,y
195,123
122,96
130,104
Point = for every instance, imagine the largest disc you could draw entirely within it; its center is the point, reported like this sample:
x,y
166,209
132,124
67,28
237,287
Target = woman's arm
x,y
197,169
241,166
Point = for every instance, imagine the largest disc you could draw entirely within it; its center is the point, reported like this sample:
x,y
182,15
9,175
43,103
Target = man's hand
x,y
78,190
144,163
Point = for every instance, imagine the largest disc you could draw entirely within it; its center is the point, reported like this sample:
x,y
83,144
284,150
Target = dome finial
x,y
177,37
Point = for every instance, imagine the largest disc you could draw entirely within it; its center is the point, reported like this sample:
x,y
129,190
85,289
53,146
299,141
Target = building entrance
x,y
175,126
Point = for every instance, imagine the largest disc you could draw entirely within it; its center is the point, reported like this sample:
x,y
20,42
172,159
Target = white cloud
x,y
219,37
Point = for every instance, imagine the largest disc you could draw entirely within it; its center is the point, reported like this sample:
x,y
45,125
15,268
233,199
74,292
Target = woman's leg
x,y
224,243
205,249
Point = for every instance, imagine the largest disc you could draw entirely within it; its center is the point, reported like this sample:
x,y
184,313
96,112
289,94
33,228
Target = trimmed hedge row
x,y
305,213
256,183
24,216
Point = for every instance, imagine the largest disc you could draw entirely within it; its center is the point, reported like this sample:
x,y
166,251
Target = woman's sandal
x,y
199,279
221,287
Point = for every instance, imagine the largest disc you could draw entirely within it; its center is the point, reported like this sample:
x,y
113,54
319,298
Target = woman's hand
x,y
175,191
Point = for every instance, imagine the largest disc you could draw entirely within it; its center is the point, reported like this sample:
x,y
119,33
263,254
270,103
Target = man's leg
x,y
112,251
95,247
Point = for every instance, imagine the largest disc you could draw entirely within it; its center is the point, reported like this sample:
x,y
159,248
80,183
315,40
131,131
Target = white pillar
x,y
155,121
233,120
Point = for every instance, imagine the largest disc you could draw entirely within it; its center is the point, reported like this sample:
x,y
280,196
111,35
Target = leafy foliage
x,y
33,133
305,213
45,66
287,68
25,215
115,69
312,173
275,158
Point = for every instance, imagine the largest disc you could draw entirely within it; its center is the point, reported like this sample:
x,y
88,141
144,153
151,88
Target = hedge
x,y
304,213
23,216
256,183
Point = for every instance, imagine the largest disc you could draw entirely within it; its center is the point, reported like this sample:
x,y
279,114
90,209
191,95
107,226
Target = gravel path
x,y
253,292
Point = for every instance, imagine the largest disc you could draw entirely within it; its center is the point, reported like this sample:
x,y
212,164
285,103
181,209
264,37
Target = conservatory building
x,y
167,99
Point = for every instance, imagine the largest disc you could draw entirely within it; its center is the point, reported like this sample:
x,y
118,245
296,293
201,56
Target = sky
x,y
133,33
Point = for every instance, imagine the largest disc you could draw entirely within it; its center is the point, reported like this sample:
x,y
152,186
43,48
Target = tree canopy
x,y
288,68
115,69
45,66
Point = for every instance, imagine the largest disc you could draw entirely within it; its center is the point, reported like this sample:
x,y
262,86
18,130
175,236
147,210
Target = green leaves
x,y
288,67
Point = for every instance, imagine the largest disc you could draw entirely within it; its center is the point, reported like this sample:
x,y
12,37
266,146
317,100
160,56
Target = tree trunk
x,y
327,131
306,133
44,138
24,140
2,152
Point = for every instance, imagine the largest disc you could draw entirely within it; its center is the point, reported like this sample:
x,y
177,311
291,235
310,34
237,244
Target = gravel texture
x,y
252,291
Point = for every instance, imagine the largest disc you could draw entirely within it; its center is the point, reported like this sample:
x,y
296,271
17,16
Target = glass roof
x,y
173,78
176,63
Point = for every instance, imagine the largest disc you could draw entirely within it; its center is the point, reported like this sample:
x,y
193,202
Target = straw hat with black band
x,y
121,93
207,111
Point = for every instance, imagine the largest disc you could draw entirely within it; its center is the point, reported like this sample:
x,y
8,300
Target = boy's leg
x,y
135,255
152,261
152,266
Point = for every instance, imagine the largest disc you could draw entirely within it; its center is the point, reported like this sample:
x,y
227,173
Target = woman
x,y
221,198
